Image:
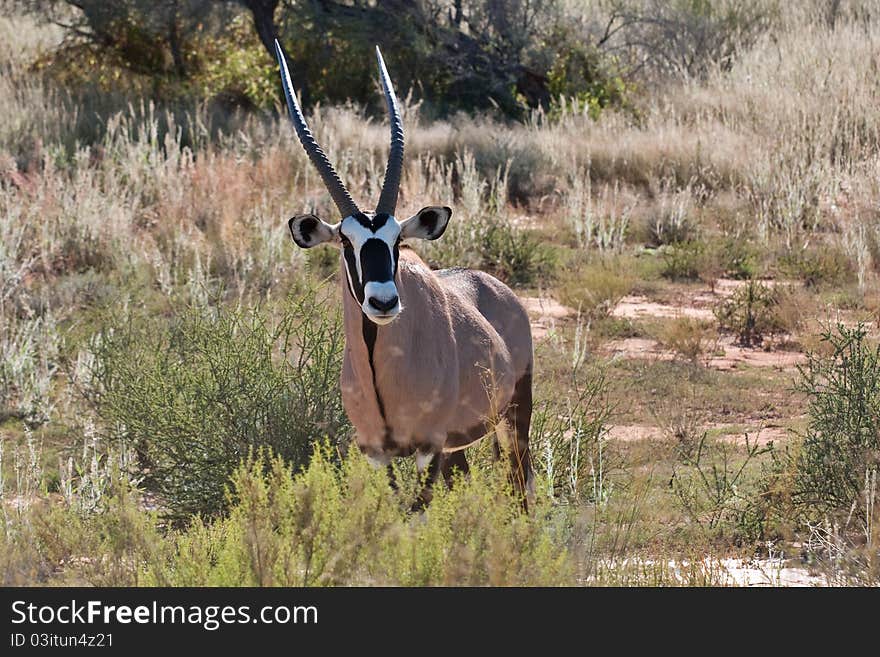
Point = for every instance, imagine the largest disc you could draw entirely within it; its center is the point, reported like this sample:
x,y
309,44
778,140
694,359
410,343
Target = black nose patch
x,y
376,262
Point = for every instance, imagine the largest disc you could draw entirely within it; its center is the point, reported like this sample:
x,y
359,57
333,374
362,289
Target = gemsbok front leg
x,y
428,465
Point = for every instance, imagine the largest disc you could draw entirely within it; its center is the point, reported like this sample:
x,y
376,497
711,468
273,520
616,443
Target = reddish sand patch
x,y
545,313
728,355
632,432
636,307
645,348
761,435
737,357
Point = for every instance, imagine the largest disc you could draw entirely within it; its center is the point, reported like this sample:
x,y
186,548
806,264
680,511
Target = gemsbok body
x,y
434,360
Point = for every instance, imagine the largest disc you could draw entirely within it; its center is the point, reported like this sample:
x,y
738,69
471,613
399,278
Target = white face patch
x,y
379,300
358,234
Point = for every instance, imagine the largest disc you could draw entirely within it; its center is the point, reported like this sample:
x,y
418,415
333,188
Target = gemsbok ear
x,y
308,230
428,224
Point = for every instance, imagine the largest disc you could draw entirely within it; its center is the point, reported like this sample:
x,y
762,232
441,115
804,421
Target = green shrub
x,y
738,258
824,266
683,261
751,313
594,289
344,525
841,445
716,489
334,523
493,244
194,394
580,73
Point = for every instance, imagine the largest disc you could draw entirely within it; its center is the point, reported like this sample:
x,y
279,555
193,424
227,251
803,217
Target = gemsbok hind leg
x,y
452,462
519,418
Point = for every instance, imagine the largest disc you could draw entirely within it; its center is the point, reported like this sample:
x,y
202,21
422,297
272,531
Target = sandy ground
x,y
727,355
758,572
545,314
736,434
763,572
637,307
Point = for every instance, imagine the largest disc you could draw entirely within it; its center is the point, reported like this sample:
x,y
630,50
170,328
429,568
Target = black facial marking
x,y
370,331
376,261
373,224
363,220
380,220
377,264
356,287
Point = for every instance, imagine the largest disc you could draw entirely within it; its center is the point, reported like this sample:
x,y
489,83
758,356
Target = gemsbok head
x,y
434,360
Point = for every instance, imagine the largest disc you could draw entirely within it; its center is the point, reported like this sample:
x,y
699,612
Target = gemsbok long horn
x,y
388,198
332,182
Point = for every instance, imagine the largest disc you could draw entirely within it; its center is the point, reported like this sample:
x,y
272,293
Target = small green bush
x,y
738,258
683,261
493,244
751,313
581,73
594,289
716,488
841,446
816,267
194,394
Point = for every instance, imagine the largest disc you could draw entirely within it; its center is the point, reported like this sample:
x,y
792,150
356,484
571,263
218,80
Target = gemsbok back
x,y
434,360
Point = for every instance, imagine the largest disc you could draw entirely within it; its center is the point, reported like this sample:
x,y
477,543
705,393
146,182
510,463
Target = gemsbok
x,y
434,360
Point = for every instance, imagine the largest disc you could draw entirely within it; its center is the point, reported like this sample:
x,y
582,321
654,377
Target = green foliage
x,y
195,394
738,258
580,75
715,488
157,39
344,525
822,266
683,261
841,446
330,524
494,244
237,69
483,56
751,313
594,288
